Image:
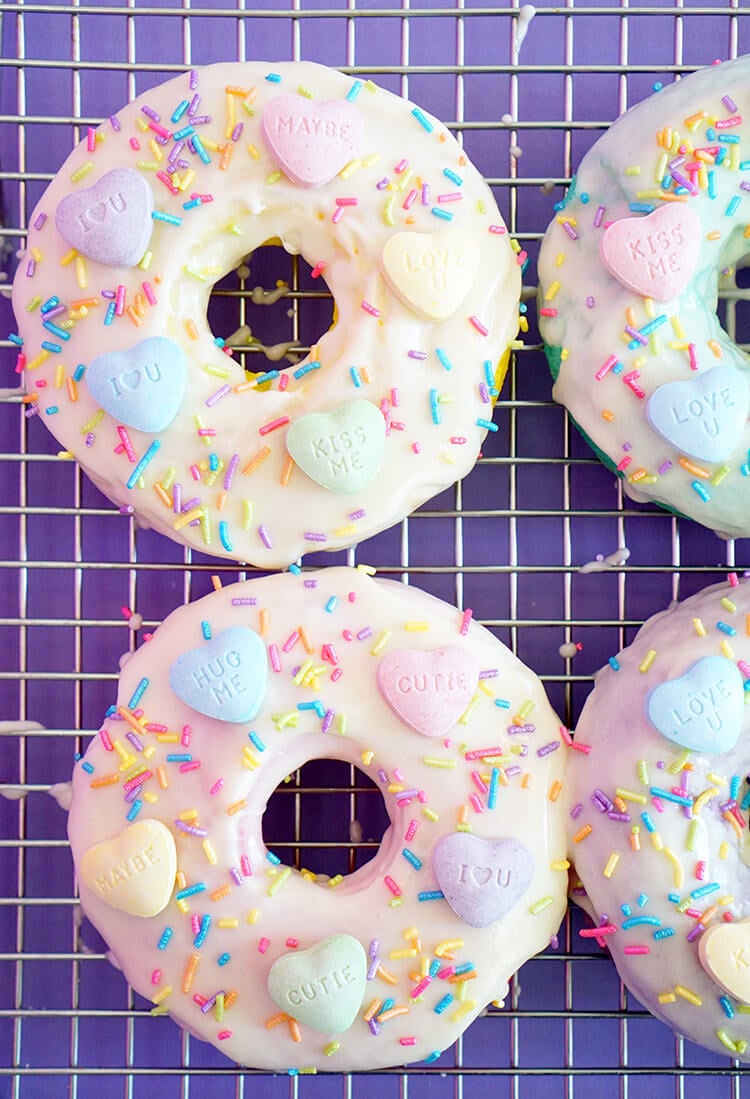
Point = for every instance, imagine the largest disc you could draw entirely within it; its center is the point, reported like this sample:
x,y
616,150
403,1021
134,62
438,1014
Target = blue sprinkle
x,y
642,207
137,473
503,703
712,184
387,1006
187,131
49,305
726,1007
431,895
332,603
667,795
435,966
78,373
432,1057
88,767
702,491
192,203
224,958
355,376
190,891
179,757
138,693
494,781
170,219
135,809
711,133
166,935
626,909
226,541
295,570
657,322
273,859
354,91
412,858
674,898
446,215
466,967
651,827
257,742
731,209
584,197
179,110
726,628
53,408
440,1008
487,425
744,165
619,367
435,406
729,139
54,347
15,339
274,78
306,369
734,787
443,358
705,890
642,900
640,921
110,314
664,933
453,177
200,938
423,120
614,663
213,462
206,630
721,156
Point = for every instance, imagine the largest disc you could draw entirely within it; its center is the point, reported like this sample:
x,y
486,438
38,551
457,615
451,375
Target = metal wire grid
x,y
508,541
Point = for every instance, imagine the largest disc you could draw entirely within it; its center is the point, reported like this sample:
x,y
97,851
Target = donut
x,y
389,407
629,272
658,831
278,969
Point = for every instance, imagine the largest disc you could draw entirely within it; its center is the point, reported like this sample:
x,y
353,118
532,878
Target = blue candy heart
x,y
481,879
703,709
142,387
225,678
702,416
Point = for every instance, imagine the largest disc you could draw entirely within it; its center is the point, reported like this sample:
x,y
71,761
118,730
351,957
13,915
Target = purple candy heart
x,y
481,879
111,221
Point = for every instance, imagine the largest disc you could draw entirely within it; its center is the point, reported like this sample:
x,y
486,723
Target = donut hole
x,y
736,319
329,818
270,310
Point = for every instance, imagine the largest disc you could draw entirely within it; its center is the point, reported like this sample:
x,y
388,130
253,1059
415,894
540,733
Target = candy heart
x,y
703,416
225,678
481,879
111,221
429,691
311,141
135,872
724,952
322,987
142,387
655,256
431,272
341,450
703,709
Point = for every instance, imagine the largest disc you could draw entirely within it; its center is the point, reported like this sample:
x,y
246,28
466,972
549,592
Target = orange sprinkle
x,y
709,914
256,461
585,831
294,1030
221,501
463,814
105,780
217,585
161,777
286,471
82,303
394,1011
716,348
607,415
747,231
133,722
187,980
236,807
305,639
691,467
29,398
231,998
731,819
223,891
226,156
372,1010
555,791
72,388
458,977
274,1020
140,304
163,495
526,781
635,841
133,316
191,330
386,976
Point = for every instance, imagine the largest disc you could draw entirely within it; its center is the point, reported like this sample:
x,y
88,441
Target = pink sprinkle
x,y
417,991
104,736
631,381
634,949
728,123
292,943
369,309
223,1035
198,999
263,945
336,674
410,199
126,443
135,144
272,425
347,201
479,782
476,323
149,293
395,397
401,166
273,652
606,367
218,785
466,621
318,269
91,139
196,473
458,440
283,382
598,216
733,580
245,866
337,215
483,753
475,801
156,977
585,748
159,130
186,734
193,765
398,774
291,641
394,888
120,301
451,196
624,463
195,922
595,932
565,735
411,831
417,448
700,870
499,229
692,356
658,805
447,972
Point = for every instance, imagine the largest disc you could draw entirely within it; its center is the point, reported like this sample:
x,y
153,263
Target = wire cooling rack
x,y
509,541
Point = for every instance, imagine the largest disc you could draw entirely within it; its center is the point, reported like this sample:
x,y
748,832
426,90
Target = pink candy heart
x,y
111,221
655,256
429,691
311,141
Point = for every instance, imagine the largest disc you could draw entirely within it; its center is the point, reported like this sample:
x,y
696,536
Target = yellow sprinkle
x,y
368,757
415,627
725,1040
612,862
209,852
345,532
656,841
691,835
647,660
643,773
279,880
630,795
81,276
633,171
408,952
679,331
350,168
331,1048
380,642
678,873
728,605
723,854
430,761
559,259
689,995
430,814
469,711
463,1011
228,922
552,290
253,915
447,947
702,798
146,261
679,762
82,171
726,649
540,905
667,998
718,780
562,865
194,513
716,348
720,474
274,177
162,994
699,628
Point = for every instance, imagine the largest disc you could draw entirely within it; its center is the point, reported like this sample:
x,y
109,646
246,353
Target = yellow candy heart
x,y
724,951
431,272
135,872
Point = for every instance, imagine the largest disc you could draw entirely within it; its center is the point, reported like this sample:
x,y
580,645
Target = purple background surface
x,y
507,542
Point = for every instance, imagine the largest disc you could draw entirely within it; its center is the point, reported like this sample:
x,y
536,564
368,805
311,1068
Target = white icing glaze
x,y
365,621
587,307
683,848
434,414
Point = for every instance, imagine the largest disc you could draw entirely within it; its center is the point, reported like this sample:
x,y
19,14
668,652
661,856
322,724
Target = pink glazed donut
x,y
279,970
389,407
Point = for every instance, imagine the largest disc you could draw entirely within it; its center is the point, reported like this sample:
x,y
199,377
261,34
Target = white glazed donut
x,y
629,272
659,830
391,405
391,963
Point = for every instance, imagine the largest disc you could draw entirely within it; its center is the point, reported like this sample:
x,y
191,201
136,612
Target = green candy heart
x,y
322,987
341,450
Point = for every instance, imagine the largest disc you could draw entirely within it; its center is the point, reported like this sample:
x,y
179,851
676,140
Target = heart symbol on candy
x,y
481,879
654,255
432,273
311,140
111,221
323,986
341,450
724,952
429,691
135,872
703,416
142,387
703,709
225,678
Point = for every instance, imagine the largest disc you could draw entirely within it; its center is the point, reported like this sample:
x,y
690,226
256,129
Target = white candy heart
x,y
431,272
135,872
703,416
322,987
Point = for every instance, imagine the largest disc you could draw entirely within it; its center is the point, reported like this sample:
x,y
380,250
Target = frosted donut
x,y
659,831
388,408
629,272
388,964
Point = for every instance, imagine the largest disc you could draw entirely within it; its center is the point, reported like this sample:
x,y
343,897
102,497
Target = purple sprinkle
x,y
511,771
194,104
235,876
627,447
327,721
417,354
425,194
484,393
382,775
568,228
677,162
382,184
137,744
489,673
193,82
190,829
374,948
55,312
622,817
177,498
729,103
513,729
635,334
233,463
357,515
132,794
128,509
311,583
551,747
110,295
695,933
664,467
40,221
244,601
590,303
205,1008
373,968
601,797
217,396
598,216
374,1026
115,122
265,537
151,113
364,634
406,795
183,164
30,268
237,131
175,151
90,438
312,536
745,186
576,811
683,181
194,503
200,120
162,140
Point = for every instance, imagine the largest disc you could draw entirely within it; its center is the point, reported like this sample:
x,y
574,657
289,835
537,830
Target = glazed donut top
x,y
469,881
163,199
659,829
629,272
